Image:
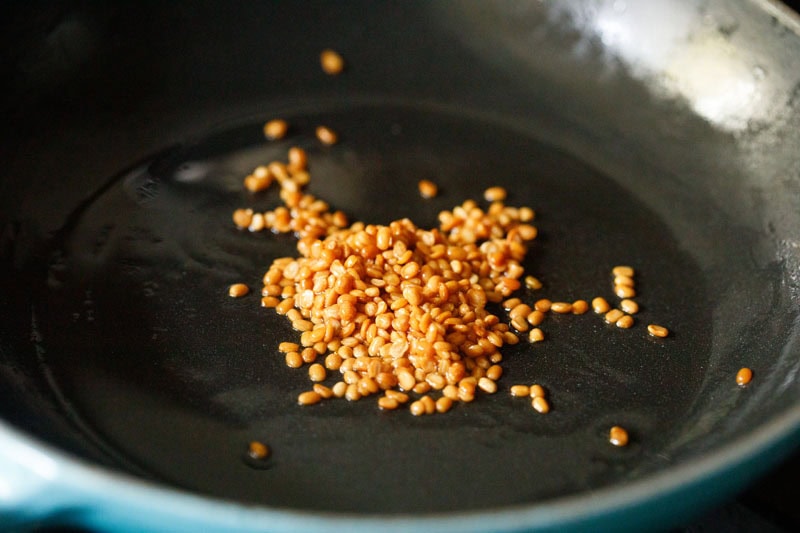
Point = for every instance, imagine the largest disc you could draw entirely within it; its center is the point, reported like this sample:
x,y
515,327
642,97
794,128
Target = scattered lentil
x,y
629,306
293,360
237,290
744,376
657,331
331,61
326,135
308,398
612,316
536,335
623,291
427,188
257,450
487,385
316,372
540,404
561,307
444,404
537,391
532,283
276,129
387,403
536,318
618,436
322,390
520,391
417,408
298,160
622,270
494,194
579,307
600,305
624,322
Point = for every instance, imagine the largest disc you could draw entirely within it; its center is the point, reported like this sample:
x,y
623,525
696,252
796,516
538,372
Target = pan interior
x,y
172,378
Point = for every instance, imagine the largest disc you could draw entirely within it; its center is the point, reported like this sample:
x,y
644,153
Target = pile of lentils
x,y
396,309
393,308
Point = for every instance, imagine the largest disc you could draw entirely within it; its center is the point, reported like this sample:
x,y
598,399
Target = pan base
x,y
173,378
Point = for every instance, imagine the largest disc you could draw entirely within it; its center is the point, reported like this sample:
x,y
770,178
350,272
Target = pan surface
x,y
141,362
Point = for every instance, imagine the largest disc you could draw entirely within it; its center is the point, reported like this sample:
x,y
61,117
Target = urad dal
x,y
396,307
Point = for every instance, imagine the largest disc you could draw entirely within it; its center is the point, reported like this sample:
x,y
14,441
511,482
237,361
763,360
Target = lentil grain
x,y
618,436
326,135
540,404
427,188
744,376
276,129
332,62
237,290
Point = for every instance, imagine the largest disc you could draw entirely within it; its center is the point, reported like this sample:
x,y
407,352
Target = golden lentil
x,y
627,281
657,331
543,305
494,194
255,184
744,376
622,270
237,290
521,391
536,318
293,360
388,404
308,398
494,372
444,404
487,385
537,391
257,450
532,283
429,404
618,436
326,135
623,291
242,218
579,307
339,389
298,159
322,390
600,305
427,188
536,335
331,61
276,129
417,408
624,322
561,307
629,306
269,301
316,372
288,347
540,404
612,316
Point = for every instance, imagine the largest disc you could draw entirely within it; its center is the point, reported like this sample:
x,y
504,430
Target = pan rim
x,y
91,495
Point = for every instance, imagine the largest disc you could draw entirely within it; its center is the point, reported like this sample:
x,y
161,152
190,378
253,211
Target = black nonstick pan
x,y
663,136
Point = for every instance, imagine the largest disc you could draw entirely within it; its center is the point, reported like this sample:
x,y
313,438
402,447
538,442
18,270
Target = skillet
x,y
132,383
